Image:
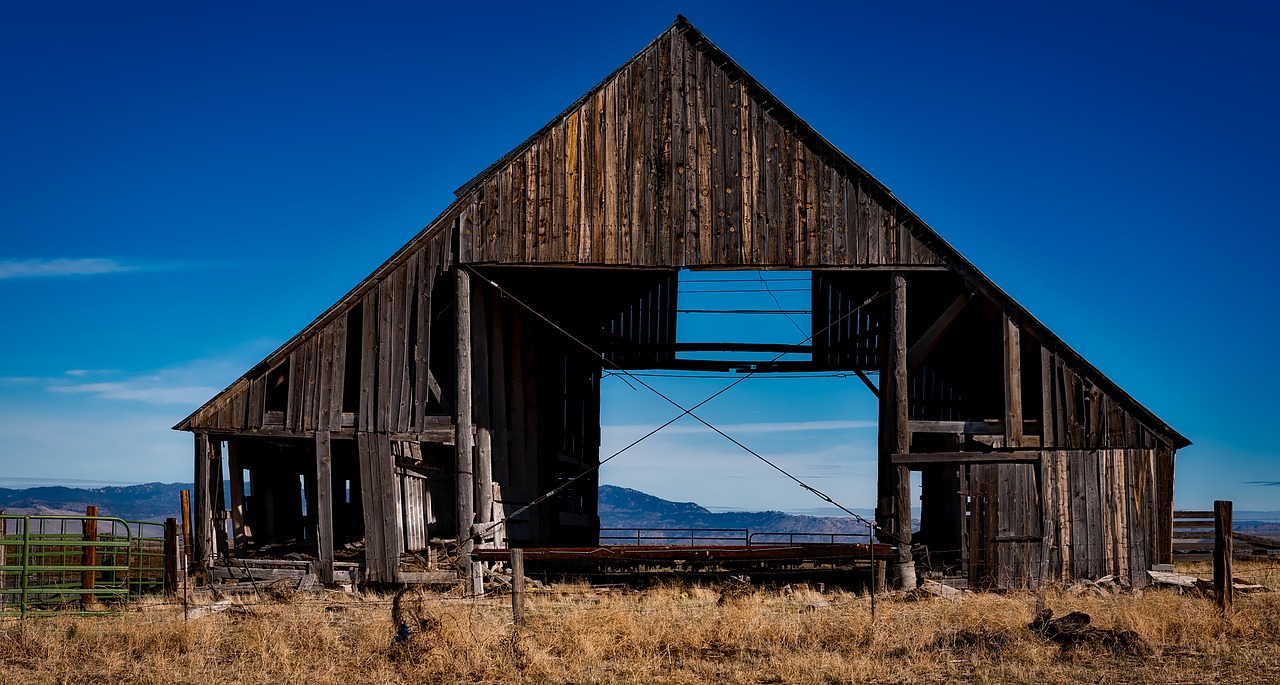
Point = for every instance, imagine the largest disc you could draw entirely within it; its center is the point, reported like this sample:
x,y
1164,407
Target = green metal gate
x,y
59,565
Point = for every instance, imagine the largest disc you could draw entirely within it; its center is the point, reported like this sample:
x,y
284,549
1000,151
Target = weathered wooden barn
x,y
460,380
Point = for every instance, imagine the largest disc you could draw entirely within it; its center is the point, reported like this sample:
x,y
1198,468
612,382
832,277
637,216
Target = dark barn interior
x,y
460,382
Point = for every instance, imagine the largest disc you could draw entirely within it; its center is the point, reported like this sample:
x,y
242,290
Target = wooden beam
x,y
893,511
958,427
916,458
925,344
463,433
324,506
1012,383
202,518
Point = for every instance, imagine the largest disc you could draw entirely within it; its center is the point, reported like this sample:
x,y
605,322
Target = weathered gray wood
x,y
1012,383
517,586
324,507
202,519
484,475
1016,456
239,537
957,427
464,435
372,498
894,482
1048,413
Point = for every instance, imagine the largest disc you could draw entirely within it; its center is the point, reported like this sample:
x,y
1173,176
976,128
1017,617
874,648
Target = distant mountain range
x,y
147,502
626,508
619,508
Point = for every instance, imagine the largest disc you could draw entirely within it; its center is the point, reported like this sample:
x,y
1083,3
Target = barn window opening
x,y
277,398
351,370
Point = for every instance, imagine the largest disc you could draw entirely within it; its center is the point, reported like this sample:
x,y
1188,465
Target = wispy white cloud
x,y
190,383
149,389
36,268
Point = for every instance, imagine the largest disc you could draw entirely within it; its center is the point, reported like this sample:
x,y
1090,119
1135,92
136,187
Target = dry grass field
x,y
669,634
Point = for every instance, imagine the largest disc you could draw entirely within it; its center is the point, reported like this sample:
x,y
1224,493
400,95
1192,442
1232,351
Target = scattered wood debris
x,y
216,607
1194,584
1073,630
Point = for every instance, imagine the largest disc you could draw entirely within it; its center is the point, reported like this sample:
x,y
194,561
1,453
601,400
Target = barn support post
x,y
464,436
235,469
324,506
202,518
219,501
894,482
482,412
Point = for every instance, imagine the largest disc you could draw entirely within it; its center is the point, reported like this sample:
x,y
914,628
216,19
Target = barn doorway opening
x,y
812,419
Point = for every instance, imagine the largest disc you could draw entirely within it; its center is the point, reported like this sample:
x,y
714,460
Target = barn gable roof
x,y
677,159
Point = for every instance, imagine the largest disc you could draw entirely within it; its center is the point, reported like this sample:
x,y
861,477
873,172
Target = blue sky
x,y
187,185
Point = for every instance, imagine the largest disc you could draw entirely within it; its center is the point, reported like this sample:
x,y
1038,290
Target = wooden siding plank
x,y
680,177
749,180
658,234
1048,413
706,240
556,234
546,172
369,361
609,158
386,348
731,131
572,188
1012,382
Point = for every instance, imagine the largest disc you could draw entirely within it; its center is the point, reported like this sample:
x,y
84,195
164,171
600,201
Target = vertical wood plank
x,y
236,471
1048,413
202,519
572,190
706,240
1012,383
463,435
324,506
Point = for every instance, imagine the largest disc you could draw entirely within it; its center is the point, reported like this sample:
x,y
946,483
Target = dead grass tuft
x,y
666,634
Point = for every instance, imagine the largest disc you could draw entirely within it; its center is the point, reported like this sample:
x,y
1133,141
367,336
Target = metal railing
x,y
720,536
776,538
675,536
59,565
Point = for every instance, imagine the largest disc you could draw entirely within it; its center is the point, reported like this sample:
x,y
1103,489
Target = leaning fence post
x,y
1222,551
517,586
89,557
185,498
171,556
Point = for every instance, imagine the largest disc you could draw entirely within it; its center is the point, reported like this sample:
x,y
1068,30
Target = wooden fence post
x,y
89,556
1222,550
517,586
171,556
185,496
